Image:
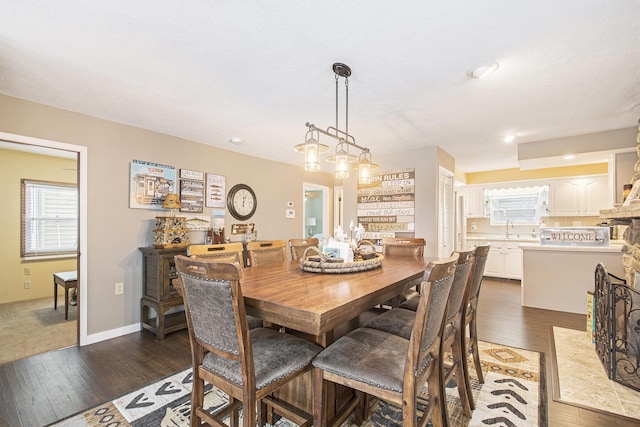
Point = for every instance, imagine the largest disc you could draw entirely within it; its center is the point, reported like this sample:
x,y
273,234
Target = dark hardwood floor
x,y
42,389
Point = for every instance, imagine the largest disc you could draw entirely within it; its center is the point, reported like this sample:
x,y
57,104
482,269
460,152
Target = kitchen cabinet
x,y
584,196
504,260
476,202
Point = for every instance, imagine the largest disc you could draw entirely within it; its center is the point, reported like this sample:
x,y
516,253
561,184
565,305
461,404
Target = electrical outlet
x,y
119,288
27,284
27,271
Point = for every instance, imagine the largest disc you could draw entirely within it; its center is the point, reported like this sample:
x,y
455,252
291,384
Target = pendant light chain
x,y
346,85
342,158
337,127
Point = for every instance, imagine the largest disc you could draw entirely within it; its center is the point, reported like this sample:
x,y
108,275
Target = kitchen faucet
x,y
506,232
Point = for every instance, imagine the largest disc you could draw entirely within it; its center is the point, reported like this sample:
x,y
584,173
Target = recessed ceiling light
x,y
569,157
236,141
509,138
482,70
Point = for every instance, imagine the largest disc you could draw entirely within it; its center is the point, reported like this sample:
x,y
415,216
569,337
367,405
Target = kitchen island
x,y
558,277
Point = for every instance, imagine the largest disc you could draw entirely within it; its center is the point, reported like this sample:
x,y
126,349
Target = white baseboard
x,y
113,333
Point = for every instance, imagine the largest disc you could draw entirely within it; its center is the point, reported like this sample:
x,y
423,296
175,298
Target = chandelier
x,y
342,158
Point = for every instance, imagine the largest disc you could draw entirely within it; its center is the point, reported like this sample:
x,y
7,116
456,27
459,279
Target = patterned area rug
x,y
514,394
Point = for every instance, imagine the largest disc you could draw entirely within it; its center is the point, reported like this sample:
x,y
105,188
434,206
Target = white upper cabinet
x,y
584,196
476,201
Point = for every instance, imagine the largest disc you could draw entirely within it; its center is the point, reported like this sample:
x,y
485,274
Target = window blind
x,y
49,218
445,215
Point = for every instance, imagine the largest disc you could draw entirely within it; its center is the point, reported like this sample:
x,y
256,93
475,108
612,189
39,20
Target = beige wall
x,y
17,165
114,232
426,163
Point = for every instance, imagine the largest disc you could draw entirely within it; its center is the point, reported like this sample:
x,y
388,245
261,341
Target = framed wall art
x,y
189,174
149,184
191,195
215,191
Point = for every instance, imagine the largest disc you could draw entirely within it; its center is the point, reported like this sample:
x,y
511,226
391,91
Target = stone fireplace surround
x,y
617,304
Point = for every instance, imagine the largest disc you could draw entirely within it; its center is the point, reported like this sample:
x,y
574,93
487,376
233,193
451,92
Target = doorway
x,y
77,168
315,212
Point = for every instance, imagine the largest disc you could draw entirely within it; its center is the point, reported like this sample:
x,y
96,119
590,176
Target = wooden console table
x,y
158,293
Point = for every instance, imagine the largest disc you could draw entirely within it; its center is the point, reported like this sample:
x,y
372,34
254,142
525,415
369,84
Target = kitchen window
x,y
49,219
524,205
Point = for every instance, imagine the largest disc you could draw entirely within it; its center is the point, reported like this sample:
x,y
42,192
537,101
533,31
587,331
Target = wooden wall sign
x,y
386,207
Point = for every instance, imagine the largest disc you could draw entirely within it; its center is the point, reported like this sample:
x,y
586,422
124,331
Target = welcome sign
x,y
573,236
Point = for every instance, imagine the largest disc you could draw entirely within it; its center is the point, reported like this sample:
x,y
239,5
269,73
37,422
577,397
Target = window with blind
x,y
49,219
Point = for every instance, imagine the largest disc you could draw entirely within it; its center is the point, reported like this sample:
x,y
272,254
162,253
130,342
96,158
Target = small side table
x,y
66,279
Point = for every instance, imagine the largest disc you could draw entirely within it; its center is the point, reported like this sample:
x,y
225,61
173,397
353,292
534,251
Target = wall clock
x,y
241,202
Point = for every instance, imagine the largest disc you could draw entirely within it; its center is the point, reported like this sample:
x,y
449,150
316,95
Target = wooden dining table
x,y
316,303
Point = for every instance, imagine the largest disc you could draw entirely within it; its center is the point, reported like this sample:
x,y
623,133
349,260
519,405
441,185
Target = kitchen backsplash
x,y
481,226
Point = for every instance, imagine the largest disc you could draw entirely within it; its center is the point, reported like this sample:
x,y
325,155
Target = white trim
x,y
113,333
325,207
83,253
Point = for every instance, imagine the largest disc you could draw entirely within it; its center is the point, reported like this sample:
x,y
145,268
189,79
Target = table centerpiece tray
x,y
314,261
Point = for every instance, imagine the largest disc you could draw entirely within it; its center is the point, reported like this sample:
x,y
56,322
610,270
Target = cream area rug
x,y
513,395
580,379
33,327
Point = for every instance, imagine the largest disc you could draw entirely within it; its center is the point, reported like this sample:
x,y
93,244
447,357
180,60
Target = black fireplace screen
x,y
617,328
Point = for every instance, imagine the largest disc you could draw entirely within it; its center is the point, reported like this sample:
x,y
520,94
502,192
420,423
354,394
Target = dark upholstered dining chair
x,y
248,365
298,246
266,252
388,366
227,252
403,246
399,321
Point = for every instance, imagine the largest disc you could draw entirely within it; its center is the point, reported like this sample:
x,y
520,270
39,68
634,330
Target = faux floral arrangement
x,y
351,241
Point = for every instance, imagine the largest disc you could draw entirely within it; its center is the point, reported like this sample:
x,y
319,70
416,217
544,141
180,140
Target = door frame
x,y
81,159
307,186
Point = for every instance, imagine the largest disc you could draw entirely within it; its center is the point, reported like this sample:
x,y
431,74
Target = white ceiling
x,y
258,70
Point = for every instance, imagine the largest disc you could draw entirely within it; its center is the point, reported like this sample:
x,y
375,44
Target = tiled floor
x,y
583,380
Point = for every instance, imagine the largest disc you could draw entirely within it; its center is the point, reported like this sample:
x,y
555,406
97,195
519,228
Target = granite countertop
x,y
514,238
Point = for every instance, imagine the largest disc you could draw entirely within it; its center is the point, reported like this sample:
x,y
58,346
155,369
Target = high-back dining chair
x,y
248,365
266,252
469,335
403,246
227,252
298,246
388,366
400,321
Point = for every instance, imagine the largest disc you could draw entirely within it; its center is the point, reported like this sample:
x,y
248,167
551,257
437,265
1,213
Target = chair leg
x,y
465,372
197,399
265,414
437,399
234,416
473,333
249,411
409,411
462,382
319,410
361,410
